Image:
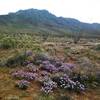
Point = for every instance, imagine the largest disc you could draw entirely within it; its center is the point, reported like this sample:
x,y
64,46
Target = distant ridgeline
x,y
43,22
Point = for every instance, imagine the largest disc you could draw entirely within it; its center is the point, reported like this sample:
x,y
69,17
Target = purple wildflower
x,y
29,53
24,75
48,86
23,84
31,68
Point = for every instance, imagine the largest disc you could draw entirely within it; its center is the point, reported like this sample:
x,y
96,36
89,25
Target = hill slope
x,y
42,21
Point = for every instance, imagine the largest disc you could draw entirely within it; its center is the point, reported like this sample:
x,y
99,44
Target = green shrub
x,y
97,47
45,97
98,78
7,43
16,60
40,57
37,48
23,84
63,97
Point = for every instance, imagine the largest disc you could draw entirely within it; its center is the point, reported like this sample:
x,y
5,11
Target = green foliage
x,y
37,48
23,84
89,80
97,47
63,97
40,57
45,97
98,78
16,60
8,42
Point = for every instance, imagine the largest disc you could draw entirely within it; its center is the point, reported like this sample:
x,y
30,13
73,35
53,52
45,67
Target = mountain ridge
x,y
34,20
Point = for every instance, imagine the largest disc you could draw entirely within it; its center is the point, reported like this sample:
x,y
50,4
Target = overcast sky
x,y
83,10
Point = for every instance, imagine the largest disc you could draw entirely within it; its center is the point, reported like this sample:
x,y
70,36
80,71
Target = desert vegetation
x,y
39,67
45,57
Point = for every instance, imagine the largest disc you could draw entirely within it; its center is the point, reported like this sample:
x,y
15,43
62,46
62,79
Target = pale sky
x,y
83,10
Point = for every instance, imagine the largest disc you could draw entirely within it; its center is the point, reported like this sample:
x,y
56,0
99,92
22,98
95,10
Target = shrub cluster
x,y
18,60
45,74
66,83
7,43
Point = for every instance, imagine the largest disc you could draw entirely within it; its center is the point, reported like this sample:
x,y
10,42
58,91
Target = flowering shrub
x,y
52,61
43,79
48,67
79,87
70,65
39,58
24,75
29,53
26,63
66,67
48,86
58,64
81,78
45,75
23,84
31,68
66,83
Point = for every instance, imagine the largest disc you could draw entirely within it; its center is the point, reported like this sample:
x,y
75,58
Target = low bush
x,y
40,57
24,75
97,47
45,97
42,74
98,78
16,60
23,84
46,65
7,43
87,80
48,86
63,97
65,82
